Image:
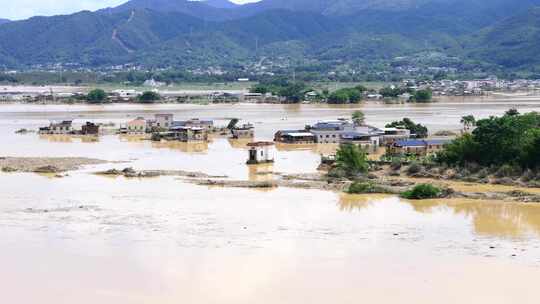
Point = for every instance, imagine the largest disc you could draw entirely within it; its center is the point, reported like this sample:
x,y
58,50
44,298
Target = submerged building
x,y
260,153
63,127
244,131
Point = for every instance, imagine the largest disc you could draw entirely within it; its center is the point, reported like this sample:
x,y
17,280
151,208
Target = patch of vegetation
x,y
291,91
149,97
358,117
391,92
352,159
422,96
422,191
511,140
96,96
347,95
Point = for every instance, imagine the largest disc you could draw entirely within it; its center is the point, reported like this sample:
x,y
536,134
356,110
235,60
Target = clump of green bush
x,y
422,191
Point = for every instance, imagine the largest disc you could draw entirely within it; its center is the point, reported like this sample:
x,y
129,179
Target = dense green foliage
x,y
358,117
352,159
422,191
512,139
291,91
391,92
468,121
418,130
96,96
149,97
347,95
422,96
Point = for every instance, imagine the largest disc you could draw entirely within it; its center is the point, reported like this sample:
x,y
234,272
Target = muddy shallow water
x,y
94,239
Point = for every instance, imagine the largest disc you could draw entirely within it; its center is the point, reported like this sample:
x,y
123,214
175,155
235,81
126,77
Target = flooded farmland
x,y
85,238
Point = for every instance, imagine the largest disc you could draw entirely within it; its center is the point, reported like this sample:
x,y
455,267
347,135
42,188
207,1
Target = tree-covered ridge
x,y
513,139
191,34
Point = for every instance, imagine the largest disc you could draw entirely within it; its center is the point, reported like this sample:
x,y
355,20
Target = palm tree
x,y
358,118
468,122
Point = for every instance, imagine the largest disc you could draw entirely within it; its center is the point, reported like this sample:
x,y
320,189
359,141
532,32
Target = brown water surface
x,y
92,239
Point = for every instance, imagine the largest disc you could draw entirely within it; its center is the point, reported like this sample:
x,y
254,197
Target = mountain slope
x,y
2,21
201,9
513,42
164,36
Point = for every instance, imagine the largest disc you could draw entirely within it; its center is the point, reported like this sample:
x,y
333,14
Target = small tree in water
x,y
352,159
149,97
468,122
358,118
96,96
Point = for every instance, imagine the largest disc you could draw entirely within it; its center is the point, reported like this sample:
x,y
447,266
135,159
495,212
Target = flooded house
x,y
260,153
63,127
188,134
244,131
90,128
194,123
417,146
392,135
294,137
160,122
330,131
136,126
124,95
368,141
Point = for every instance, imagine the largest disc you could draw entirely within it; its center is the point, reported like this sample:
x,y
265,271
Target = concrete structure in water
x,y
194,123
260,153
244,131
160,122
63,127
90,128
136,126
294,137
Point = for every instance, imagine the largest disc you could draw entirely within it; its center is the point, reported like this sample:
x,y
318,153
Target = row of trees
x,y
100,96
424,95
513,139
346,95
291,91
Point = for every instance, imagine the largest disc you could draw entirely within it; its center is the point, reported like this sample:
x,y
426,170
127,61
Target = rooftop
x,y
260,144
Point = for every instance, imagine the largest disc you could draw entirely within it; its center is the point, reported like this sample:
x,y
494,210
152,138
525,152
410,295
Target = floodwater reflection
x,y
495,219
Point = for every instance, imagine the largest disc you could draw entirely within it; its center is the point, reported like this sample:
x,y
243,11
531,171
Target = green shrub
x,y
422,191
96,96
352,159
396,164
414,168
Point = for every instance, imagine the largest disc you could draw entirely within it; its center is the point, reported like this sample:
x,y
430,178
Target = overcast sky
x,y
22,9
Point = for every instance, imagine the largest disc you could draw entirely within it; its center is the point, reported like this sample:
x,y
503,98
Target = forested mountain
x,y
2,21
513,41
217,32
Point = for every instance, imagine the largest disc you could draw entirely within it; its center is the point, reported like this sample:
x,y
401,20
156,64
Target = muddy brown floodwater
x,y
86,238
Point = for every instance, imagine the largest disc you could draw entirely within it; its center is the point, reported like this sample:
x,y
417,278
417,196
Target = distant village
x,y
164,127
479,87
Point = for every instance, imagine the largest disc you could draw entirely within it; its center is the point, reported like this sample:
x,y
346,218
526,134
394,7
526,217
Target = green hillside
x,y
191,34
